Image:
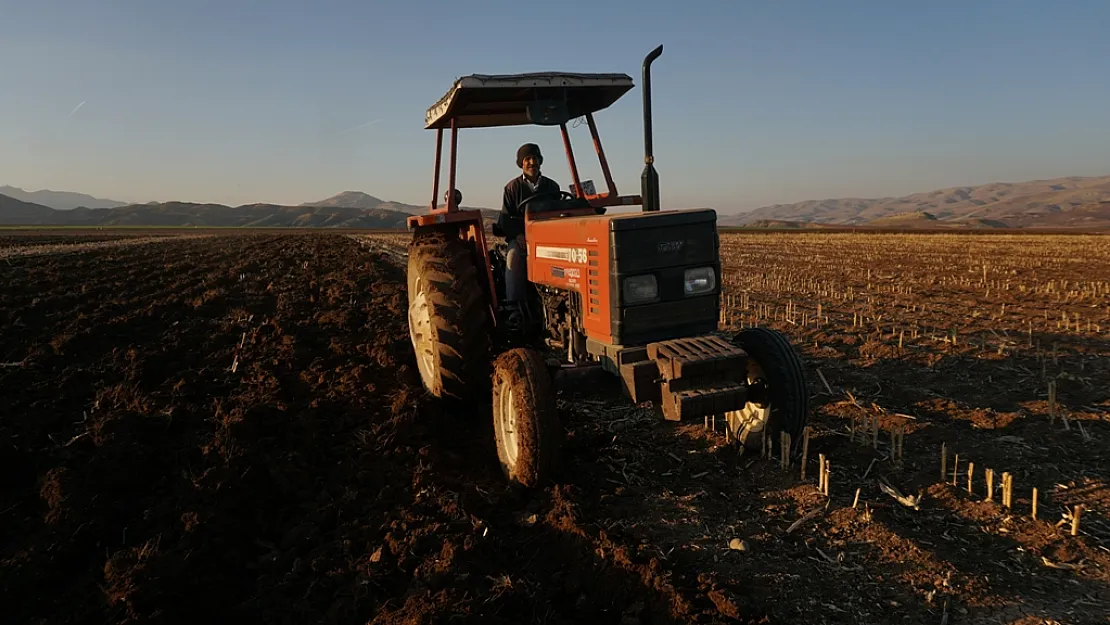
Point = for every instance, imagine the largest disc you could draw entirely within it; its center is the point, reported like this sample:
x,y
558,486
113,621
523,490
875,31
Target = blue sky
x,y
239,101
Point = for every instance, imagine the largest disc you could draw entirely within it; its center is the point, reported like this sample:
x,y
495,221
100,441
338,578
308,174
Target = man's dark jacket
x,y
511,221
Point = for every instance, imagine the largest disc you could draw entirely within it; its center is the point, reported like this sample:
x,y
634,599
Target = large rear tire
x,y
449,321
526,424
778,399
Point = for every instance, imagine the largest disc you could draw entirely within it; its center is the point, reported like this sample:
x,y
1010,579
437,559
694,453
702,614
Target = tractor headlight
x,y
700,281
640,289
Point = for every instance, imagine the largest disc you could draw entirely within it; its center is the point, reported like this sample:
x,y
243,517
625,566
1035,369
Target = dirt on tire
x,y
443,268
524,375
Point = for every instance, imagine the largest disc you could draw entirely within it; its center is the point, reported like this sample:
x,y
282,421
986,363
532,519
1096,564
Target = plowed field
x,y
230,429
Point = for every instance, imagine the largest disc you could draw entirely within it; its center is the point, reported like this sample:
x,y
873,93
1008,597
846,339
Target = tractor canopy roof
x,y
543,98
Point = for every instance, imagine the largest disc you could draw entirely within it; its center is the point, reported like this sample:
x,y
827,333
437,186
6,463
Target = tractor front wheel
x,y
525,422
448,320
778,400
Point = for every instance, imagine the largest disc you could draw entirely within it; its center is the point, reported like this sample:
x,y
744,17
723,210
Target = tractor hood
x,y
661,219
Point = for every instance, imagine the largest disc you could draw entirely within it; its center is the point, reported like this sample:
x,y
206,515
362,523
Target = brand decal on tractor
x,y
667,247
569,254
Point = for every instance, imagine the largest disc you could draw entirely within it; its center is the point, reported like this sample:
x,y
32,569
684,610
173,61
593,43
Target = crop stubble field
x,y
229,428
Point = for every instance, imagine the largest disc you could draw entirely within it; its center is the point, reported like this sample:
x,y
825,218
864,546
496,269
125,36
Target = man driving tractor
x,y
511,220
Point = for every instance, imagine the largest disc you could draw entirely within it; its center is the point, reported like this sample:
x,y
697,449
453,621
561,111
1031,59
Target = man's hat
x,y
528,149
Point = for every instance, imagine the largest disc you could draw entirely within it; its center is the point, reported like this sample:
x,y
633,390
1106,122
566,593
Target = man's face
x,y
531,166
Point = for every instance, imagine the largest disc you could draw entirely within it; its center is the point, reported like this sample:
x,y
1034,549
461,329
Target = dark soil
x,y
230,429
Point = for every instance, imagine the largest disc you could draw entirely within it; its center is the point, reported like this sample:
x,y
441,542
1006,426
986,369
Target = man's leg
x,y
516,272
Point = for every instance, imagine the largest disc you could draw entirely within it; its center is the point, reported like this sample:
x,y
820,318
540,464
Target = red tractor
x,y
636,295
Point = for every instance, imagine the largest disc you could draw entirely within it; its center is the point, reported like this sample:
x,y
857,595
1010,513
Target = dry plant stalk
x,y
785,451
809,515
1034,504
943,461
1052,401
827,473
897,436
1007,490
805,451
821,473
990,484
824,381
1083,432
1076,511
909,501
955,468
970,478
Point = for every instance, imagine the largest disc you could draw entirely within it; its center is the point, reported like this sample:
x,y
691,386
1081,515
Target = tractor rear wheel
x,y
778,400
449,322
525,422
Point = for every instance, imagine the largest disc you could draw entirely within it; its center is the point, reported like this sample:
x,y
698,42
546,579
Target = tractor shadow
x,y
539,555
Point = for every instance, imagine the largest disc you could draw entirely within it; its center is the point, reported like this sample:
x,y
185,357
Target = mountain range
x,y
60,200
1069,202
350,209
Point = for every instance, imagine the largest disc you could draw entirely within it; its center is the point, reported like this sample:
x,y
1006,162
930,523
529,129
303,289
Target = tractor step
x,y
689,377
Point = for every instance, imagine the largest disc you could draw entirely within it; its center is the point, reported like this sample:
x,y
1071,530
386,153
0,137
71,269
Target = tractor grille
x,y
664,245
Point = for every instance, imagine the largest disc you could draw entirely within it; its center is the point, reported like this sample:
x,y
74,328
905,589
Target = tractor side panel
x,y
573,254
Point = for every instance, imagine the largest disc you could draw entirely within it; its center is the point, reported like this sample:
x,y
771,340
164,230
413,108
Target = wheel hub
x,y
420,331
506,424
752,419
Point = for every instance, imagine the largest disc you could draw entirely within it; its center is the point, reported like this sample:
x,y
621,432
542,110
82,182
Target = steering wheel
x,y
558,194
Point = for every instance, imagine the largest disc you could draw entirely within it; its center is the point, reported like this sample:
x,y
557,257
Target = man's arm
x,y
508,202
508,221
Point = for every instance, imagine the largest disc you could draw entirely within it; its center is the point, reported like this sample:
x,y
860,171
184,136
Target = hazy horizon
x,y
269,102
612,209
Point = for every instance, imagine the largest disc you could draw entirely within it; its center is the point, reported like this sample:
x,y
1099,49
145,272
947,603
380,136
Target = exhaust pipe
x,y
649,180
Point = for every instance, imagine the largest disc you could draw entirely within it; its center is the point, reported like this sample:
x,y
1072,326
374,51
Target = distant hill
x,y
778,224
59,200
358,199
18,212
1072,202
349,199
176,214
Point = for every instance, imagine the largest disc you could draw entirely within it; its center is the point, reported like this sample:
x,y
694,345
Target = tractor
x,y
635,295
